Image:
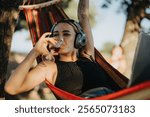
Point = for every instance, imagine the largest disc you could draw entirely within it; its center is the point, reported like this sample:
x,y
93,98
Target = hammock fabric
x,y
40,18
140,91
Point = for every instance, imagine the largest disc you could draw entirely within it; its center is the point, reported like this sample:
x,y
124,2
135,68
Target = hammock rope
x,y
41,5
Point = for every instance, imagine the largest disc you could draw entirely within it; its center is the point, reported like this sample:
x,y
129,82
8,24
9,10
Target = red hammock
x,y
140,91
40,18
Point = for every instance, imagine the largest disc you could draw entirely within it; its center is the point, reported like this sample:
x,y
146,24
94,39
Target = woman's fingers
x,y
46,43
47,34
53,41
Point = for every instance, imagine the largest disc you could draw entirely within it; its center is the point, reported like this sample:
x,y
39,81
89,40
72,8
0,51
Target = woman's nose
x,y
61,39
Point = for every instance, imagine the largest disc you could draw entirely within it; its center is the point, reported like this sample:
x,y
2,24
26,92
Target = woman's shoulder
x,y
87,55
47,65
50,70
84,59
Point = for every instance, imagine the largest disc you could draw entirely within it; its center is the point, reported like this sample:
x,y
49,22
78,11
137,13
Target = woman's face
x,y
66,33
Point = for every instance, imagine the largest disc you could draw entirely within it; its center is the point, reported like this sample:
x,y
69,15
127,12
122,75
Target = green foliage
x,y
71,10
65,3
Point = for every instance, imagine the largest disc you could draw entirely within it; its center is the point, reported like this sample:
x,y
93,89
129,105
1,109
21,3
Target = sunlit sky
x,y
109,28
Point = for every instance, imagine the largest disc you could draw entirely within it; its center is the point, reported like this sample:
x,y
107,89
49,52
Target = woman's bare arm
x,y
83,16
19,76
22,79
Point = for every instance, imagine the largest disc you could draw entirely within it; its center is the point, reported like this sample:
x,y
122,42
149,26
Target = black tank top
x,y
82,75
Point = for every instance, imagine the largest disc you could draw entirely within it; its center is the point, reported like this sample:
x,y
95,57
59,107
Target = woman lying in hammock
x,y
74,70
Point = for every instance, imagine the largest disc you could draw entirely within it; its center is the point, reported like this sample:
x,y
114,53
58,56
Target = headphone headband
x,y
72,22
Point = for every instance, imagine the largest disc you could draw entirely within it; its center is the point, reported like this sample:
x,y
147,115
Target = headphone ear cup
x,y
80,40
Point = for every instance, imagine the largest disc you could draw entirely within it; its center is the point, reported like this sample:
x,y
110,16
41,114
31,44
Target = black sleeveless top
x,y
82,75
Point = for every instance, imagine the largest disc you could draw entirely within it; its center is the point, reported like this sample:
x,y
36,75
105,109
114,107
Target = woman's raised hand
x,y
45,45
45,41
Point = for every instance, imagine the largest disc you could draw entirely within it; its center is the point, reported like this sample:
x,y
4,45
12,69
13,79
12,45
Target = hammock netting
x,y
40,17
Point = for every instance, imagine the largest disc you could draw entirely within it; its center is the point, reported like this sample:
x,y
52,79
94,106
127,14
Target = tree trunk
x,y
7,25
129,44
136,12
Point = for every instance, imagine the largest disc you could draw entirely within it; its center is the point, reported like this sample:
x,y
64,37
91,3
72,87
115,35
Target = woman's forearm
x,y
83,16
83,9
18,76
